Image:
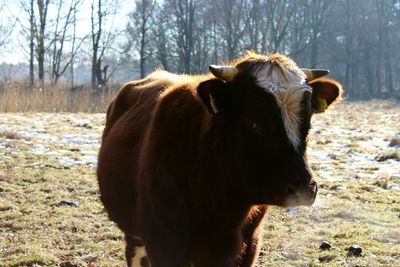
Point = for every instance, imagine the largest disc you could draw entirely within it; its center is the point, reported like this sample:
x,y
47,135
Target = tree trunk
x,y
388,61
31,46
42,7
348,45
96,34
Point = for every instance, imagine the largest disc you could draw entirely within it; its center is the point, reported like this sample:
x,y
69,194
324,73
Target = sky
x,y
15,52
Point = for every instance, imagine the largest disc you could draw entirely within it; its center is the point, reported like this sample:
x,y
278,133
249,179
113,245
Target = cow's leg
x,y
216,261
135,252
251,235
218,247
166,252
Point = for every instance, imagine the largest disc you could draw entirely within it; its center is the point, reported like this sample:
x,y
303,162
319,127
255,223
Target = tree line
x,y
356,39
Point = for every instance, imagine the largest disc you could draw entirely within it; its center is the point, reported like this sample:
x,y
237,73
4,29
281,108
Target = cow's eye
x,y
255,127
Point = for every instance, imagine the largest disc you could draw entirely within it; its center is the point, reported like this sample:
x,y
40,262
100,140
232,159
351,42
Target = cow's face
x,y
264,107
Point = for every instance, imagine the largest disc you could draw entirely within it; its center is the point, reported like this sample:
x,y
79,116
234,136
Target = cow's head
x,y
263,107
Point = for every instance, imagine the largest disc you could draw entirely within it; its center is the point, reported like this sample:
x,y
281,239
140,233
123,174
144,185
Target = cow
x,y
189,165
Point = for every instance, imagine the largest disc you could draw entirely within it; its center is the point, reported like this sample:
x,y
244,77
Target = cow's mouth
x,y
300,194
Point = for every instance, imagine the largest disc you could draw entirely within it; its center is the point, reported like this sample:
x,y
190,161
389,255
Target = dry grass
x,y
60,98
358,203
11,135
390,155
395,142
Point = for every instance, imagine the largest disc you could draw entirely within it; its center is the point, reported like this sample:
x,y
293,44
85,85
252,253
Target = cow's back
x,y
127,119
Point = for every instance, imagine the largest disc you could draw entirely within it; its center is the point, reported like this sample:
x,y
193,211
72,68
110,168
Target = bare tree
x,y
384,15
100,40
6,27
351,18
203,41
214,32
62,25
139,31
74,48
236,16
37,35
279,15
31,43
297,38
318,15
29,33
40,28
355,38
182,25
162,42
96,32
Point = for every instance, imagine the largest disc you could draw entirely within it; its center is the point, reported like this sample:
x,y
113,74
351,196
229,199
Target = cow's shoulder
x,y
180,104
149,89
142,95
135,96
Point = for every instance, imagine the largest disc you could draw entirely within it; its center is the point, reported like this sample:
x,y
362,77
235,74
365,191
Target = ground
x,y
50,213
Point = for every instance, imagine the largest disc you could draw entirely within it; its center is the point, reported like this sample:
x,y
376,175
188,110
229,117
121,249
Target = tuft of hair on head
x,y
275,71
253,54
286,66
249,59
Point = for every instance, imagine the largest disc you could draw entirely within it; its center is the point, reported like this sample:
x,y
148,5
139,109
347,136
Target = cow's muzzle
x,y
301,193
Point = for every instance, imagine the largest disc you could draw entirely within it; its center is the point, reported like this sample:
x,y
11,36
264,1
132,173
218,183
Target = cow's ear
x,y
213,94
325,92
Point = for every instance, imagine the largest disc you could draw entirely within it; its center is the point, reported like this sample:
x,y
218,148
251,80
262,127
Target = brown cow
x,y
189,164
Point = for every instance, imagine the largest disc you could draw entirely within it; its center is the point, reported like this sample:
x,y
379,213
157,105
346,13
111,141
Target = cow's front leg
x,y
218,247
166,255
135,252
166,248
251,235
213,260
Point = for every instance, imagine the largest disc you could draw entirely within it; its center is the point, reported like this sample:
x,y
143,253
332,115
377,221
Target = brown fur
x,y
191,186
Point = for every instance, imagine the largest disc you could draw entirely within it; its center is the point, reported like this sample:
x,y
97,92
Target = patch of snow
x,y
293,211
67,161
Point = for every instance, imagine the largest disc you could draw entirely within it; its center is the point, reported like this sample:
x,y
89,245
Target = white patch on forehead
x,y
289,101
288,87
272,76
140,252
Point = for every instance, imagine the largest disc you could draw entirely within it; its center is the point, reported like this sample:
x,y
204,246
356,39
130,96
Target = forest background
x,y
100,44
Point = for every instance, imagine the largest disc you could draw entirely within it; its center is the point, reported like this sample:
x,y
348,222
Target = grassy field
x,y
48,158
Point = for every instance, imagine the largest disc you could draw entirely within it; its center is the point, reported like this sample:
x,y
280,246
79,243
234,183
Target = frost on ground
x,y
64,139
351,140
47,159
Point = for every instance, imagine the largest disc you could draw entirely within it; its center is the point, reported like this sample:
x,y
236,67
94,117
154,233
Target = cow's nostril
x,y
290,190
